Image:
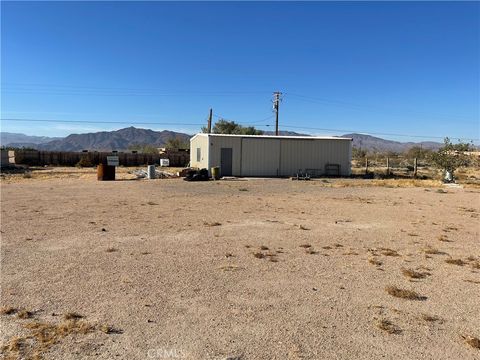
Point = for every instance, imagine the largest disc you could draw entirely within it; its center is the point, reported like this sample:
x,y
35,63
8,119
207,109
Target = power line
x,y
375,109
102,122
244,124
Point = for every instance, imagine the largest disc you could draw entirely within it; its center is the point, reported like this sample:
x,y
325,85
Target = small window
x,y
199,154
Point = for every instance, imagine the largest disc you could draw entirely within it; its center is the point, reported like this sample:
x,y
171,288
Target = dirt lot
x,y
261,269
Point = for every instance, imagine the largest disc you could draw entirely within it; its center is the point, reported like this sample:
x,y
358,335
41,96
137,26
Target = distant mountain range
x,y
123,138
372,143
22,140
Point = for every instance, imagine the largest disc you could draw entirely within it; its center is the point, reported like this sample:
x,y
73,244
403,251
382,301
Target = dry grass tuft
x,y
107,329
259,255
430,318
458,262
414,274
472,341
475,264
24,314
403,294
338,245
310,251
388,326
444,238
215,223
326,247
350,252
389,252
13,347
472,281
374,261
72,316
111,249
8,310
230,268
305,246
433,251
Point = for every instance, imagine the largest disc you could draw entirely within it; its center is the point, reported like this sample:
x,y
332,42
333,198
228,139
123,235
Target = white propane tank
x,y
151,172
165,162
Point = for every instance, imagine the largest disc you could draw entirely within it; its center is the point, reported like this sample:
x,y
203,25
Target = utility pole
x,y
276,106
209,126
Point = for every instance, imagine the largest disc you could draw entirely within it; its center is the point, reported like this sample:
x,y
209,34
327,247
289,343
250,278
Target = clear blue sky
x,y
378,67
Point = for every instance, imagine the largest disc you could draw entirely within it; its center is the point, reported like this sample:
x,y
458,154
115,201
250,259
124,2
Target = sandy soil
x,y
177,269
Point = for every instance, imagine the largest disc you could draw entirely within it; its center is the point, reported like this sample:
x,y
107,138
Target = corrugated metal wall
x,y
199,142
314,154
260,157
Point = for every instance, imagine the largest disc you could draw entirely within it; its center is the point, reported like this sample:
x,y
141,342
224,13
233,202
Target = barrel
x,y
215,172
151,172
105,172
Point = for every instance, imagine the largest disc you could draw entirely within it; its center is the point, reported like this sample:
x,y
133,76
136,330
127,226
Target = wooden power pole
x,y
276,106
209,126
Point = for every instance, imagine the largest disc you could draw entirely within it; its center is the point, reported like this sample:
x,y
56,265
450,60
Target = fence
x,y
393,166
64,158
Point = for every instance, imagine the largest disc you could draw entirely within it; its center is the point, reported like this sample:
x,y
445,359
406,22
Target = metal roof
x,y
277,137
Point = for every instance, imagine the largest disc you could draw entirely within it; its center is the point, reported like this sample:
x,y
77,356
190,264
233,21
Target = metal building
x,y
262,155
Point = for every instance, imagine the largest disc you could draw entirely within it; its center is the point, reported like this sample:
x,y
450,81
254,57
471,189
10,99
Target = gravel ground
x,y
260,269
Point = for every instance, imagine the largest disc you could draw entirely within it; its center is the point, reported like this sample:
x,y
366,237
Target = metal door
x,y
226,162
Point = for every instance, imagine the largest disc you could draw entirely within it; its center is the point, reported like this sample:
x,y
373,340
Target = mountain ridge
x,y
123,138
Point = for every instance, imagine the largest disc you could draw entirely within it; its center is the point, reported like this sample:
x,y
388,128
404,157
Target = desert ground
x,y
240,269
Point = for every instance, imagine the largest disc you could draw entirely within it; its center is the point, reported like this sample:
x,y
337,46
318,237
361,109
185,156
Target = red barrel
x,y
105,172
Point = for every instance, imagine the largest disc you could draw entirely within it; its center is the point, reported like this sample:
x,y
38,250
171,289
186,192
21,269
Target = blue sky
x,y
375,67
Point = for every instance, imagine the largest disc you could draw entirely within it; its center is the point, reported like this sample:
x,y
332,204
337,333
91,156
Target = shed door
x,y
226,161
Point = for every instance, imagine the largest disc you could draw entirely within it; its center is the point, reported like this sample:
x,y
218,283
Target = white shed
x,y
263,155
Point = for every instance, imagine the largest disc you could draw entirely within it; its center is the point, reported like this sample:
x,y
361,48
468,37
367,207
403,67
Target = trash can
x,y
105,172
151,172
215,172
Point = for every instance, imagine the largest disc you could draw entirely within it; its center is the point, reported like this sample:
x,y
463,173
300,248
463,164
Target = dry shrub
x,y
414,274
458,262
259,255
388,326
374,261
403,293
472,341
42,336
